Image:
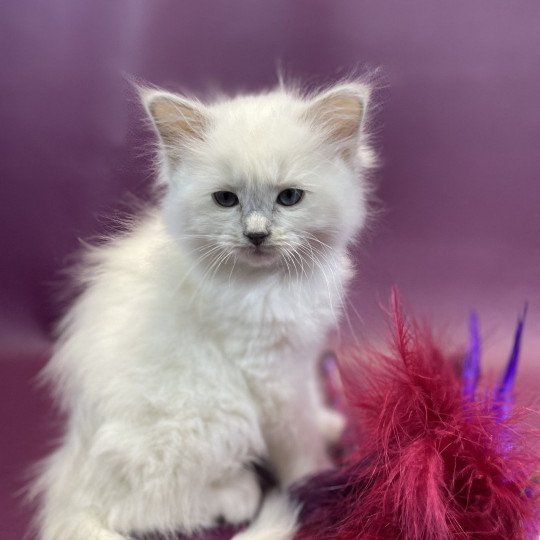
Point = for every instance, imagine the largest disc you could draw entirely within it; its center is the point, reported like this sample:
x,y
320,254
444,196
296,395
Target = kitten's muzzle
x,y
257,238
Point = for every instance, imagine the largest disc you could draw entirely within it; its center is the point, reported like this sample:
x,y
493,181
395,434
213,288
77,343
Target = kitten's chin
x,y
259,257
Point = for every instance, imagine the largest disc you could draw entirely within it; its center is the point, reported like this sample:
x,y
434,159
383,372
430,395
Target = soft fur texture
x,y
190,354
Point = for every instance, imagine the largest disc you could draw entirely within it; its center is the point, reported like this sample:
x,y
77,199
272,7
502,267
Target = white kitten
x,y
191,353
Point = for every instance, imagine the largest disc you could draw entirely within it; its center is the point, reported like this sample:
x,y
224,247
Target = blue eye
x,y
290,197
225,198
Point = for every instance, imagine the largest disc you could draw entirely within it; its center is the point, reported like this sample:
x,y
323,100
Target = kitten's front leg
x,y
296,444
331,424
296,451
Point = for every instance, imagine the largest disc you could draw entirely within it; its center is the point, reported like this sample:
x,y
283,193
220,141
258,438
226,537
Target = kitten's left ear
x,y
340,111
177,119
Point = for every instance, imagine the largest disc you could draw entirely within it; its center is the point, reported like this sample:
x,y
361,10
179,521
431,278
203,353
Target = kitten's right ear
x,y
178,120
340,112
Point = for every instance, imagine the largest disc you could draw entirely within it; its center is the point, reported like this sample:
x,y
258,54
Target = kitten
x,y
191,352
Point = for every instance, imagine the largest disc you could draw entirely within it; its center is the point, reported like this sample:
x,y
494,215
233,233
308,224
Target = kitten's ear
x,y
177,119
339,111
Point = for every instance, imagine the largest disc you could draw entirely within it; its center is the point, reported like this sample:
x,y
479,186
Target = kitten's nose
x,y
256,238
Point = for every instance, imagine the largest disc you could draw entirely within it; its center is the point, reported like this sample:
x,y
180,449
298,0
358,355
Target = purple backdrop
x,y
457,124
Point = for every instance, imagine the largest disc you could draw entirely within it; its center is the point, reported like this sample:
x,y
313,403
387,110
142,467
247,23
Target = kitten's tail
x,y
277,520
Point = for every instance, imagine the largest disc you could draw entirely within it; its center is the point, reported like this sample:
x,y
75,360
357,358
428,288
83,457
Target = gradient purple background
x,y
457,125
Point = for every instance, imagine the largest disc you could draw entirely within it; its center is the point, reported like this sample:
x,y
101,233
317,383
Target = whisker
x,y
319,264
215,261
233,267
198,260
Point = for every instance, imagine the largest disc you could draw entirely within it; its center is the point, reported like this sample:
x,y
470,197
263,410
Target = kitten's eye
x,y
225,198
290,197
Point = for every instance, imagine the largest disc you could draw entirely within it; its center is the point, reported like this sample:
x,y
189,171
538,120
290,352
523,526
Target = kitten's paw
x,y
331,424
237,499
303,467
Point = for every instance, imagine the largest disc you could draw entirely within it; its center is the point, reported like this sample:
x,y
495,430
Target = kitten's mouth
x,y
259,255
261,251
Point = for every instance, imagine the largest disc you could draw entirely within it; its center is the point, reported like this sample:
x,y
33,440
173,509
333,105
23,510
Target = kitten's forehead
x,y
261,139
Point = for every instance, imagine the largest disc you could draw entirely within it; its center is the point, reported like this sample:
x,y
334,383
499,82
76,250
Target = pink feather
x,y
429,465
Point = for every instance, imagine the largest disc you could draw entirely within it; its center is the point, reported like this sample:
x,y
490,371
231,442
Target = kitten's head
x,y
267,180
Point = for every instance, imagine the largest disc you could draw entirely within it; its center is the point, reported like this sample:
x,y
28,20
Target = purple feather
x,y
471,366
503,393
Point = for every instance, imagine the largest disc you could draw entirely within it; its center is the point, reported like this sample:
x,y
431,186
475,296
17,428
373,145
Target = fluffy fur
x,y
190,354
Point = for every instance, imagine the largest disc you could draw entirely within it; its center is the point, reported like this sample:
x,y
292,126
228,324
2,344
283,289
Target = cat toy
x,y
428,454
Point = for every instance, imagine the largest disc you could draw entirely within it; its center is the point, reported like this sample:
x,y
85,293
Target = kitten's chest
x,y
275,320
273,341
271,337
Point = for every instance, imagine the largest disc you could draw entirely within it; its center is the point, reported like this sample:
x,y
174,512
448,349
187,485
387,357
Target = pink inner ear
x,y
176,120
341,114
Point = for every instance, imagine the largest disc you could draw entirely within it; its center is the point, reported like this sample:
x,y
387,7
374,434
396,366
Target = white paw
x,y
331,424
237,498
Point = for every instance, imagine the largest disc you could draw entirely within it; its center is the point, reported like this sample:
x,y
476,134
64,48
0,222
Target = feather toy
x,y
435,457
